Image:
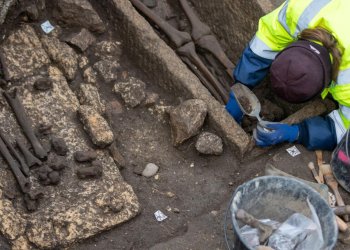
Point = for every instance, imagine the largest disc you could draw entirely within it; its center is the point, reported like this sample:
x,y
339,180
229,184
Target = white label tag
x,y
293,151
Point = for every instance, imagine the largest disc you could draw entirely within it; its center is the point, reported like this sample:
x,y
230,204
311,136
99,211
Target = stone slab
x,y
73,210
22,53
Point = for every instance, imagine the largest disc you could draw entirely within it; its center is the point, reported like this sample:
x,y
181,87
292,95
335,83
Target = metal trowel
x,y
249,103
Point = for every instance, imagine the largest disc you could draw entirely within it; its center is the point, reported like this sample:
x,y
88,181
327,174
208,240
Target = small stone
x,y
209,144
156,177
150,170
168,208
43,84
85,156
192,165
132,92
82,39
59,146
170,194
230,183
176,210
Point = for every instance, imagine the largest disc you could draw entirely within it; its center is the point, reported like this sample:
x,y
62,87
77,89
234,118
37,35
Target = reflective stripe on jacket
x,y
281,27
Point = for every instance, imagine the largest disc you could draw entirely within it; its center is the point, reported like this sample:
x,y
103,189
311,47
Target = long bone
x,y
203,37
188,50
202,79
30,159
184,44
25,123
23,166
199,28
177,37
21,179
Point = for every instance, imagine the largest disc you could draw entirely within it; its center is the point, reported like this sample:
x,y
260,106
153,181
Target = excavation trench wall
x,y
231,20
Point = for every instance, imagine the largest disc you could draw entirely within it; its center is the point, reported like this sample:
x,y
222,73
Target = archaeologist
x,y
305,45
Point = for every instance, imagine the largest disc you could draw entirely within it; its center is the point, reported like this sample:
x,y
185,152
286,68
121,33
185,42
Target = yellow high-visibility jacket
x,y
281,27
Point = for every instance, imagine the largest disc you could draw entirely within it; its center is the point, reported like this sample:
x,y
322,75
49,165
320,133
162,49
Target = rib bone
x,y
177,37
189,51
21,179
25,123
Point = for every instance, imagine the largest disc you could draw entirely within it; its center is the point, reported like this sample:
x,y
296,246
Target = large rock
x,y
22,53
88,95
187,119
62,54
79,13
209,144
81,39
96,126
132,92
107,69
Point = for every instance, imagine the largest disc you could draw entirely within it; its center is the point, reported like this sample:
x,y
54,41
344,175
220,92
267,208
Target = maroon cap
x,y
300,71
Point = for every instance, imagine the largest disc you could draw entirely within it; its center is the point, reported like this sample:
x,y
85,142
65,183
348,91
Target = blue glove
x,y
274,133
233,108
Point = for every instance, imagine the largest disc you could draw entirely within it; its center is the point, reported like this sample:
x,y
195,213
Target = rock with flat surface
x,y
132,91
209,144
187,119
107,69
79,13
88,95
62,54
81,39
84,156
22,53
96,126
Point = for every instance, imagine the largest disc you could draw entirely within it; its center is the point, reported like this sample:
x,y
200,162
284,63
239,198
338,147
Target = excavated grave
x,y
75,209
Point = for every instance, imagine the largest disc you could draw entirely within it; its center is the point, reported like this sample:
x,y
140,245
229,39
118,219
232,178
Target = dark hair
x,y
328,41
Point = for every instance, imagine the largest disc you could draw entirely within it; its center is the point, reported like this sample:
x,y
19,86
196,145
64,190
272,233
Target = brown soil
x,y
245,103
202,185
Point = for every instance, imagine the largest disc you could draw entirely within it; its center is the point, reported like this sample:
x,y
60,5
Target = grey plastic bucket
x,y
276,198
